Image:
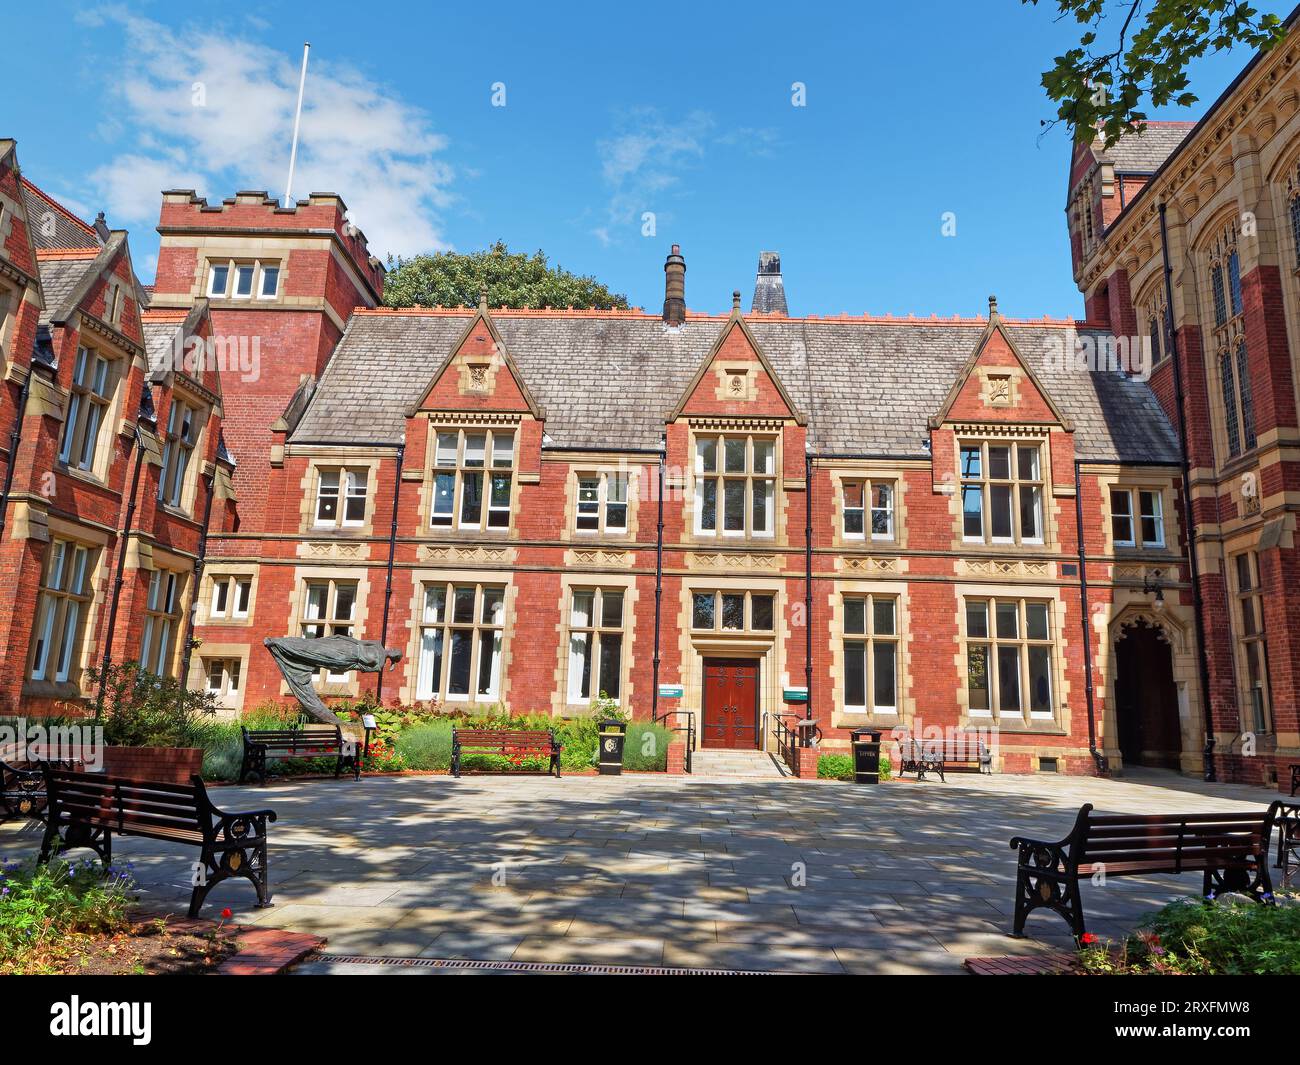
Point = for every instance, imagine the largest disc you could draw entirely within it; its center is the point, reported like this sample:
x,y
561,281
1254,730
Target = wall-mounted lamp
x,y
1151,586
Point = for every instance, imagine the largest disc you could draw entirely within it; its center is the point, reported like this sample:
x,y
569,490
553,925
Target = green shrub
x,y
647,746
144,710
45,909
1229,936
426,746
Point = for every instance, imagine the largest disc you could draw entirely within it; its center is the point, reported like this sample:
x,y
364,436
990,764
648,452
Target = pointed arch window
x,y
1231,354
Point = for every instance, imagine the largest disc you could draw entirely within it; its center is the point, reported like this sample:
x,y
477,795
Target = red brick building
x,y
961,523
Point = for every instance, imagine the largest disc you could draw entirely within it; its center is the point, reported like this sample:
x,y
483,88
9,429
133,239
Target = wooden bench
x,y
1230,850
921,756
506,743
86,809
316,741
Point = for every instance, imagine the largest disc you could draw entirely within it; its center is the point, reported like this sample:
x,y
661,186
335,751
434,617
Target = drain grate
x,y
533,966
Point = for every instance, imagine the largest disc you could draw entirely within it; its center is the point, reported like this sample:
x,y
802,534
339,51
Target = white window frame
x,y
489,471
257,278
610,502
345,485
315,624
64,601
162,621
184,426
715,482
231,673
870,639
90,401
438,628
1135,499
1016,484
590,640
868,510
994,641
226,596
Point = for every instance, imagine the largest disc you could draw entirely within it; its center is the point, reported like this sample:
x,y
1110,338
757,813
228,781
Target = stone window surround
x,y
219,570
446,422
408,670
1059,724
841,717
158,617
202,413
345,458
83,642
605,475
305,575
1248,550
259,265
605,582
226,653
717,428
966,434
1215,338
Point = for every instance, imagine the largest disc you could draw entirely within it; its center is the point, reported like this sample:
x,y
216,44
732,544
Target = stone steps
x,y
737,764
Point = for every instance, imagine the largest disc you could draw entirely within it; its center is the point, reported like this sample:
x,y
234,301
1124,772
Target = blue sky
x,y
611,111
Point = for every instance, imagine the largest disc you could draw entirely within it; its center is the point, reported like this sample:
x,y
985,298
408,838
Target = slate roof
x,y
159,338
867,386
67,230
58,279
1145,152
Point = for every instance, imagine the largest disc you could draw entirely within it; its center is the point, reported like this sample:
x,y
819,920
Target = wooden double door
x,y
730,718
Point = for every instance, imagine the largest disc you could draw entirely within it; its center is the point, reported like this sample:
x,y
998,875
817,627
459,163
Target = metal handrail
x,y
688,728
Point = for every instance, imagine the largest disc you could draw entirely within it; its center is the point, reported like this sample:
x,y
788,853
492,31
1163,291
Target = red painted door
x,y
730,703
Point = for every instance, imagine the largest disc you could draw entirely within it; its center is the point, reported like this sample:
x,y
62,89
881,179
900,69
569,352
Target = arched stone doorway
x,y
1145,696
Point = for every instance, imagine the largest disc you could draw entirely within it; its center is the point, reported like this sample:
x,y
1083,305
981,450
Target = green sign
x,y
670,691
796,695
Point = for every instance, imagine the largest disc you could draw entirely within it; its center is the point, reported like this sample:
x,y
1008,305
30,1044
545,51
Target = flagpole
x,y
297,121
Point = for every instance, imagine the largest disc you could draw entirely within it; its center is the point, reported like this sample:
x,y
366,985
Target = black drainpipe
x,y
808,582
388,580
122,543
1086,623
659,577
199,559
15,438
1192,565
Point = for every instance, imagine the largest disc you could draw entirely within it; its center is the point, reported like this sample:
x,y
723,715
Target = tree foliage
x,y
454,279
1101,85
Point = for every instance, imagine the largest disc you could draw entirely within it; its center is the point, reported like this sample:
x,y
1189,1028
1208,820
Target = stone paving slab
x,y
644,870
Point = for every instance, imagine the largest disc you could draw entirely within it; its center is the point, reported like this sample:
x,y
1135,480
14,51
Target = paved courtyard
x,y
640,870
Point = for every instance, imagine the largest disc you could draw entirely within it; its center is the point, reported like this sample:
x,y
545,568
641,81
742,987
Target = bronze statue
x,y
300,658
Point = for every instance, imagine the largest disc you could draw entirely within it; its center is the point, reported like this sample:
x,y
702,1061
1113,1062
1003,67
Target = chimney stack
x,y
675,287
769,289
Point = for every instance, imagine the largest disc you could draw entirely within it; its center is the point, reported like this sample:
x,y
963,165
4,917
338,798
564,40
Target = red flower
x,y
226,914
1087,939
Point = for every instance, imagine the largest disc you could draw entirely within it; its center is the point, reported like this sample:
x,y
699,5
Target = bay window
x,y
461,628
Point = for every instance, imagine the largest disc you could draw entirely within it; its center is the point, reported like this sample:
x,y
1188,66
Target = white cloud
x,y
214,111
642,161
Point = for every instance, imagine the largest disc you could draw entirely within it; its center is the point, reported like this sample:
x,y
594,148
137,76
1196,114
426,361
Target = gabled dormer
x,y
1001,446
475,435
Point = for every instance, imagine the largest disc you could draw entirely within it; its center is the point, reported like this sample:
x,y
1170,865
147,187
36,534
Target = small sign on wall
x,y
670,691
795,695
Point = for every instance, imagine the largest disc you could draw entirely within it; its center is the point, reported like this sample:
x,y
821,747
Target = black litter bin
x,y
613,734
866,755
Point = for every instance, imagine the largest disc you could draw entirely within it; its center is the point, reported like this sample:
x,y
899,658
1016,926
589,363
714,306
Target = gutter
x,y
388,580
